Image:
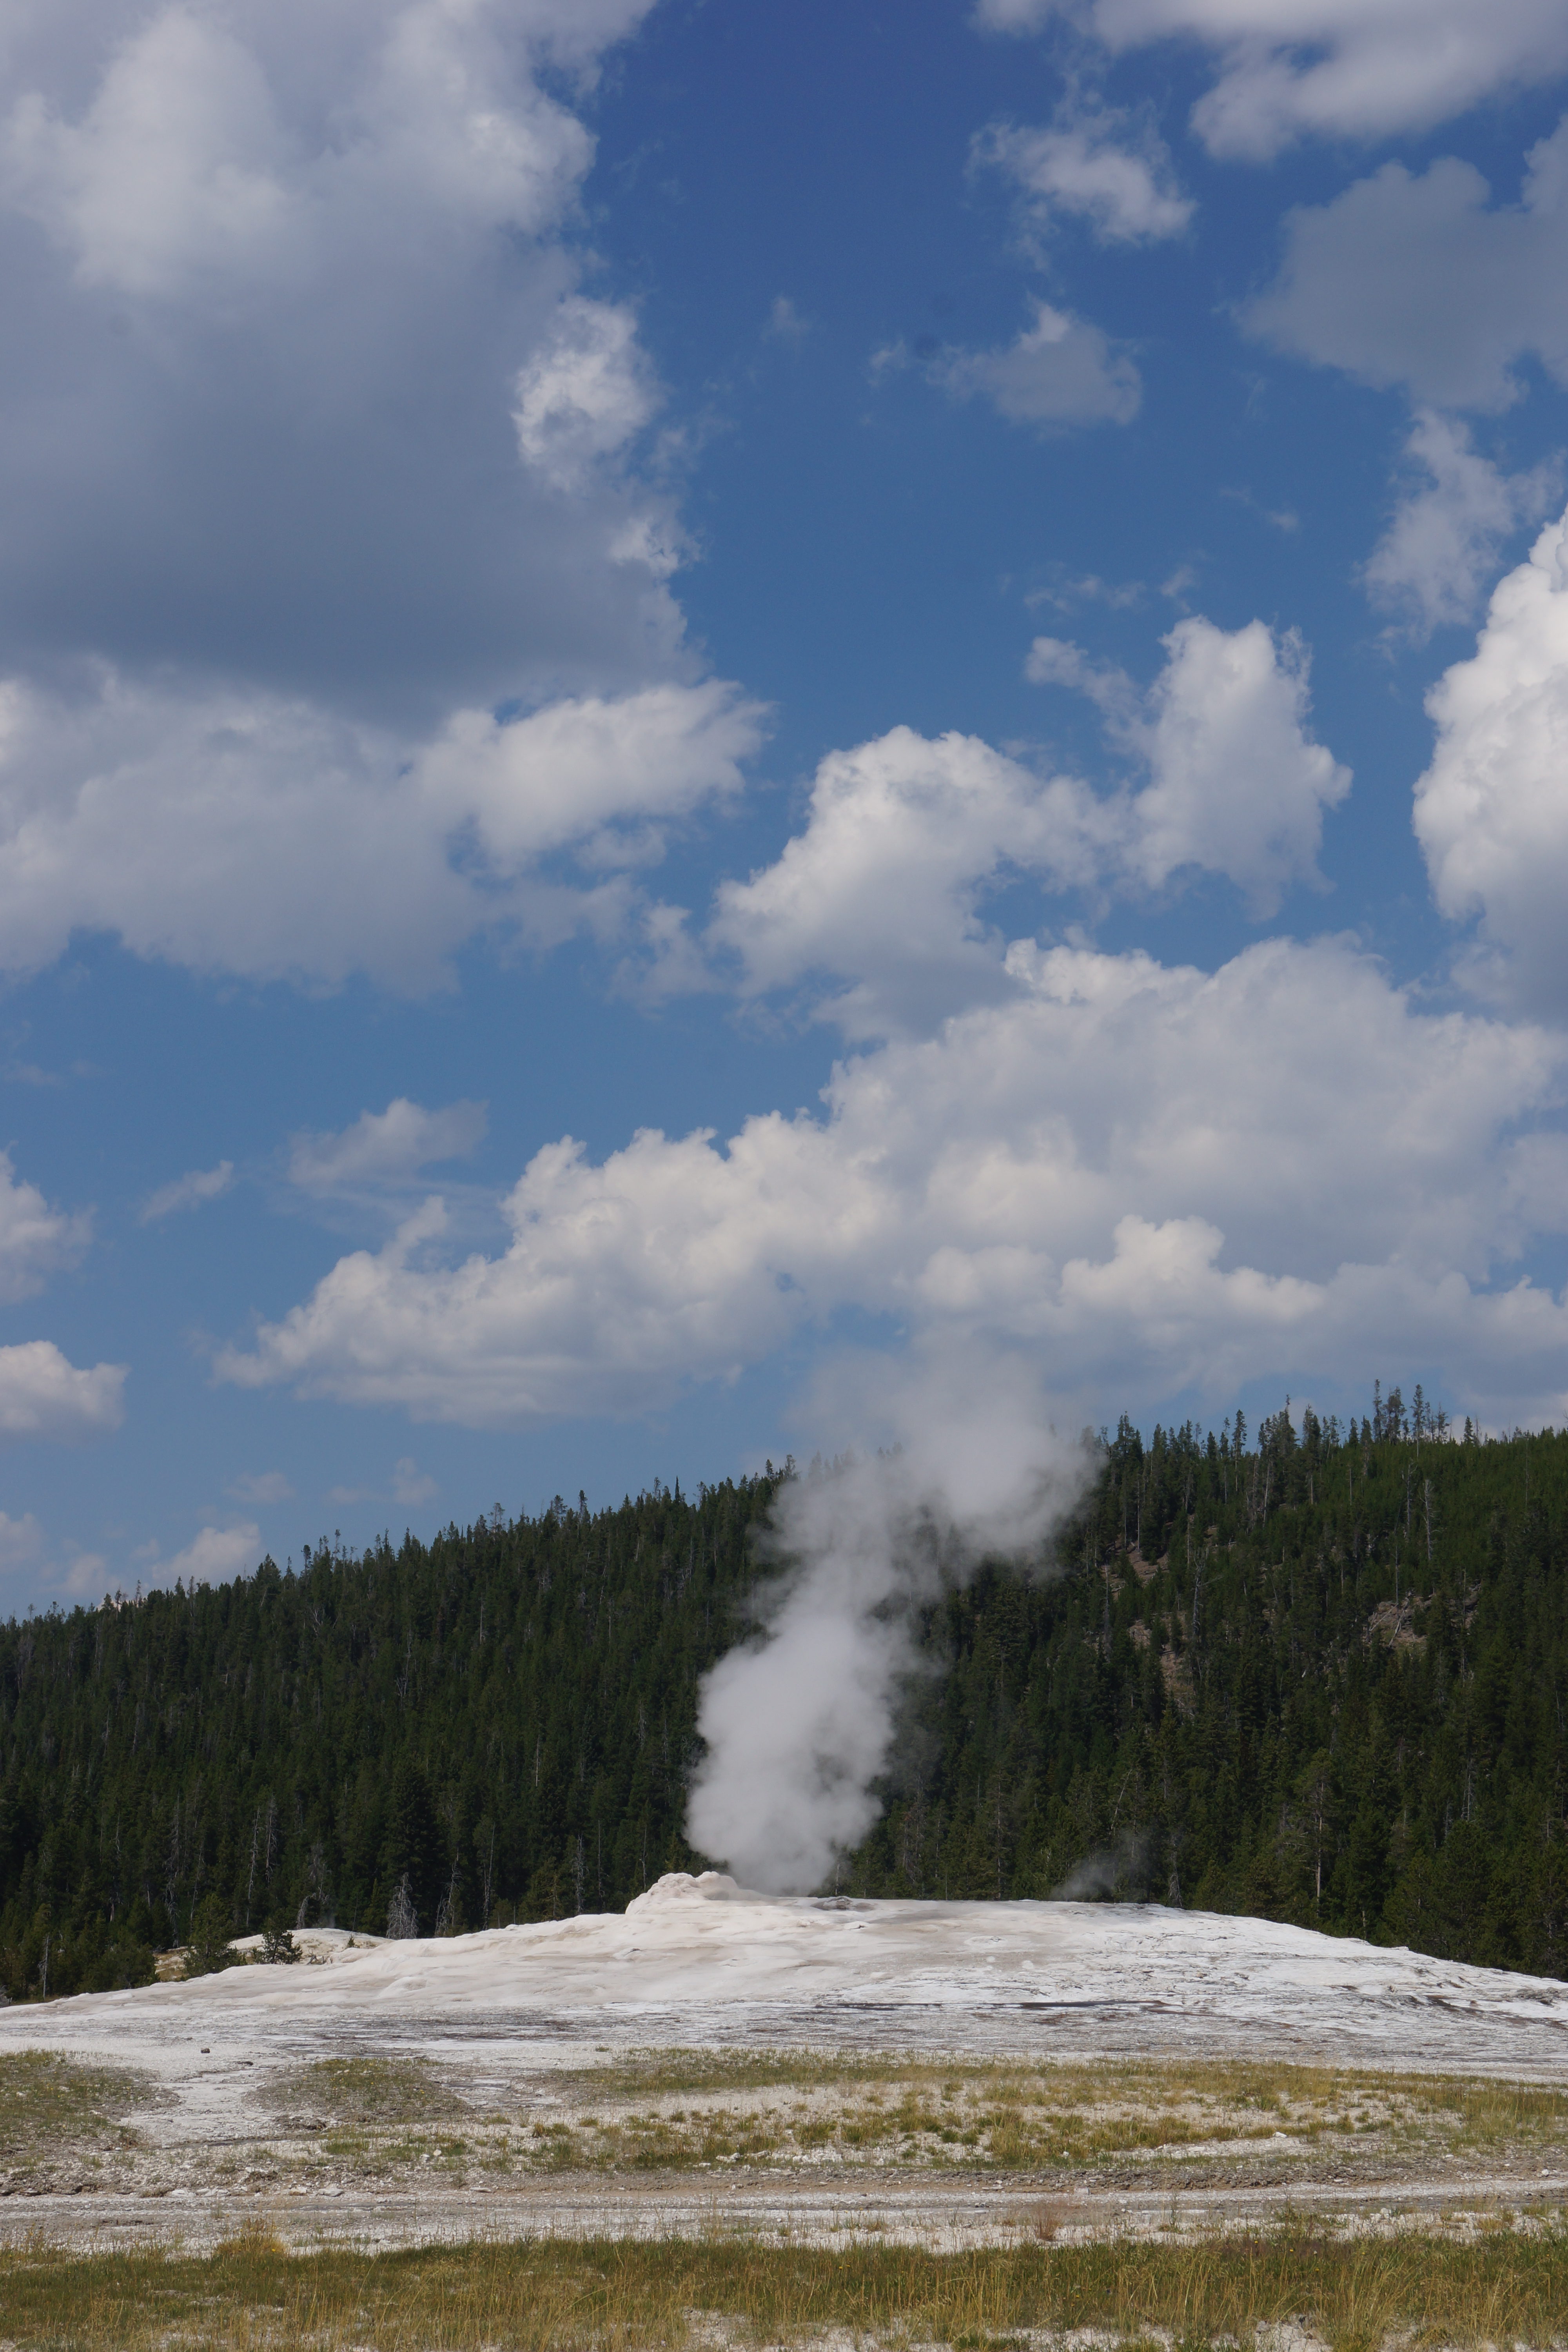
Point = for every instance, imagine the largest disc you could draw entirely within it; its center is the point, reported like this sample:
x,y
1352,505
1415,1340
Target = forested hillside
x,y
1315,1673
1320,1677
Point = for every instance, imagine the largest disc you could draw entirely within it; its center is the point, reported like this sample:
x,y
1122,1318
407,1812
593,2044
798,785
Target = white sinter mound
x,y
700,1960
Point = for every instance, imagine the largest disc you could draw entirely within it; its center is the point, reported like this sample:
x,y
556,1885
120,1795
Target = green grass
x,y
1507,2287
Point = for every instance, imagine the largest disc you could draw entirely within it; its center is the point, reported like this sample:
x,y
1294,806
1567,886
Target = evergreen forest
x,y
1311,1671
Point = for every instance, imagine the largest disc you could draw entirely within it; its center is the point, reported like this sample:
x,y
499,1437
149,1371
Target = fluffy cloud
x,y
188,1192
191,167
1492,812
387,1145
1442,544
43,1395
1280,1165
313,456
242,832
328,241
1098,166
1328,67
621,1281
884,886
1420,280
906,839
1238,786
591,774
1061,372
583,394
173,176
35,1239
1056,661
215,1553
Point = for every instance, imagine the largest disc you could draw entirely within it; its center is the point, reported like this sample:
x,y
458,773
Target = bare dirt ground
x,y
941,2075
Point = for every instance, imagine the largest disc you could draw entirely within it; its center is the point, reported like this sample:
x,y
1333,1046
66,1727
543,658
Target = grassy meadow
x,y
1505,2286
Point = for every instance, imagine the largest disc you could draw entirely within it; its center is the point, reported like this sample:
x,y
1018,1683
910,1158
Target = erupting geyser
x,y
799,1720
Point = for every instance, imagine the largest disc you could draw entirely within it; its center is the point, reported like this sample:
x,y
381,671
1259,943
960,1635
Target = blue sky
x,y
707,710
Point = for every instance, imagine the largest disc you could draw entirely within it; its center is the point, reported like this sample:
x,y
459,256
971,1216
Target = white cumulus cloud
x,y
35,1239
174,174
1097,165
1440,550
583,394
594,775
884,886
213,1555
43,1395
1197,1176
234,833
387,1145
1056,661
1237,785
1061,372
1329,68
1421,280
1491,810
304,281
907,840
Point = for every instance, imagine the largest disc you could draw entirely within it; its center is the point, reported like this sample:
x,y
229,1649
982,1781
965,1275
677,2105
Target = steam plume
x,y
799,1720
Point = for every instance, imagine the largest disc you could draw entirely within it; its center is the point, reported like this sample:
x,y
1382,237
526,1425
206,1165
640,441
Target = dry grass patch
x,y
365,2093
55,2112
676,2110
684,2072
373,2117
1176,2124
623,2297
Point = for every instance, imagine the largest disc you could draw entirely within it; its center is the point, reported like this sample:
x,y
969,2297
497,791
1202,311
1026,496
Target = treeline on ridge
x,y
1317,1674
